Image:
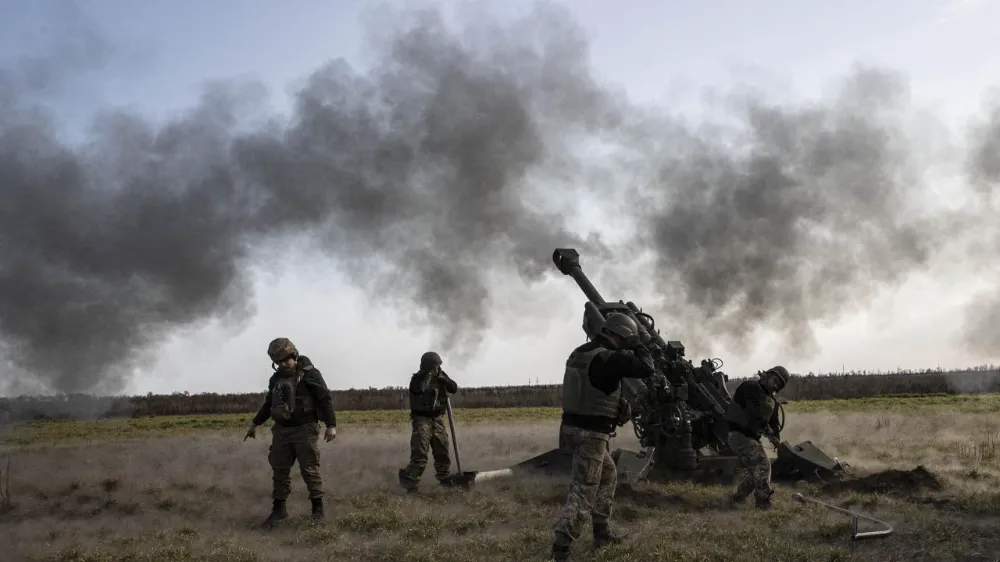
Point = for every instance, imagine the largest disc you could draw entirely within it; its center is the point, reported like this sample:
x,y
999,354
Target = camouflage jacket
x,y
313,382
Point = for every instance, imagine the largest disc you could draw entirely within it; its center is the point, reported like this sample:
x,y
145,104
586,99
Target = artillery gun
x,y
678,413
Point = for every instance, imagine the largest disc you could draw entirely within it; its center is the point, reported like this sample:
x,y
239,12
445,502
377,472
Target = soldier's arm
x,y
607,373
416,383
264,413
773,422
324,401
449,385
753,401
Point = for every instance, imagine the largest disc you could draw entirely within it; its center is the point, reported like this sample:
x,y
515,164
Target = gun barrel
x,y
567,261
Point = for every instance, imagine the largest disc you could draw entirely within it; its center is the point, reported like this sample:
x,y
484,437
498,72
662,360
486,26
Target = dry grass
x,y
199,496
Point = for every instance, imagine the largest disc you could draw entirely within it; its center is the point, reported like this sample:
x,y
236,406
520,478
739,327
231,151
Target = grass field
x,y
189,488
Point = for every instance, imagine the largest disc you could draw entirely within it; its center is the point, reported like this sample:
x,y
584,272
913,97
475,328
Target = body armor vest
x,y
428,400
737,415
579,396
291,401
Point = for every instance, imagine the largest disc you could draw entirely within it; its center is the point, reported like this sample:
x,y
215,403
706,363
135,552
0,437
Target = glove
x,y
775,440
624,412
643,355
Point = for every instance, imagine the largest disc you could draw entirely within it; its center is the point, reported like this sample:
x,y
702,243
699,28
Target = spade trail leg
x,y
856,535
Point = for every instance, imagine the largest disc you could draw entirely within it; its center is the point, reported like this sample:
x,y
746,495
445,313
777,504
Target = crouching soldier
x,y
429,390
297,399
751,413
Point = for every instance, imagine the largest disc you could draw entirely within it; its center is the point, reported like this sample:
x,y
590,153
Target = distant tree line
x,y
826,386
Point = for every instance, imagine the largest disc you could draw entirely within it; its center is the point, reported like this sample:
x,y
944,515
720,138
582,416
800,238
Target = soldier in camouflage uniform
x,y
592,409
297,399
429,389
751,414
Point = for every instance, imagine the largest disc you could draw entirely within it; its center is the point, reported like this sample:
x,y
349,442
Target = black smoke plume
x,y
413,173
981,332
793,215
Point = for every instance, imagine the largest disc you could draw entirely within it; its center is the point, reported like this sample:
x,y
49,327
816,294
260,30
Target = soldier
x,y
751,413
429,388
297,399
592,408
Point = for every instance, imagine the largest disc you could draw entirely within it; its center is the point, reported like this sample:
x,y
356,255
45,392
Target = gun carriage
x,y
678,413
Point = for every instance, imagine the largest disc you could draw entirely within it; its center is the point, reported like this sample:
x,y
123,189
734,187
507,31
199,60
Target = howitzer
x,y
678,413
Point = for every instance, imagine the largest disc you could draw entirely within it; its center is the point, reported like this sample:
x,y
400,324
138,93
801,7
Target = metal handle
x,y
855,535
454,440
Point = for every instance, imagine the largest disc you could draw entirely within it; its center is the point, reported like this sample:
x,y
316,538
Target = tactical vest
x,y
291,401
579,396
735,414
428,399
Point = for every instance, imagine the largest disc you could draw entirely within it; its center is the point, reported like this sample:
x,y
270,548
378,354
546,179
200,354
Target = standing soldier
x,y
751,413
592,408
429,389
297,399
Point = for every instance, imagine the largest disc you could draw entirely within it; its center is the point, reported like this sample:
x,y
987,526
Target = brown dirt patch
x,y
894,482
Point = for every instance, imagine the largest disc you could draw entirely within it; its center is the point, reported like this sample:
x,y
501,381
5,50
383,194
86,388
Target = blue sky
x,y
160,54
164,51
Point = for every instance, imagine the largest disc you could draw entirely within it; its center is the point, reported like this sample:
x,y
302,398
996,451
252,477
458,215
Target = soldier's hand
x,y
330,435
643,355
624,412
251,432
775,441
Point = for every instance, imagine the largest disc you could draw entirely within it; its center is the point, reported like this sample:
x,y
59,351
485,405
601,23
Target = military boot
x,y
603,535
317,508
561,554
737,498
762,502
404,481
278,513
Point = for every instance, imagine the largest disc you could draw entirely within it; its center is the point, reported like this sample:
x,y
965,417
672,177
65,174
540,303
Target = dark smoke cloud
x,y
795,215
415,174
984,156
981,332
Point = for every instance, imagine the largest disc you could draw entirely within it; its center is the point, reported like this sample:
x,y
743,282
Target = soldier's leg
x,y
439,447
760,475
420,442
307,453
281,456
585,481
743,446
601,513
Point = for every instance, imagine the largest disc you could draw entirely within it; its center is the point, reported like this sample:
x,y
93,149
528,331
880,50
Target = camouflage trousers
x,y
592,484
290,444
429,435
757,465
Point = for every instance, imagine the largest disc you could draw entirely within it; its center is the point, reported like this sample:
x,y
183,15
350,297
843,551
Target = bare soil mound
x,y
895,482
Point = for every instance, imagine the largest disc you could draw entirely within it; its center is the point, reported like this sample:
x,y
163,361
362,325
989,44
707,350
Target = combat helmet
x,y
280,349
781,372
430,360
622,326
